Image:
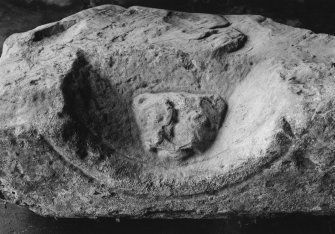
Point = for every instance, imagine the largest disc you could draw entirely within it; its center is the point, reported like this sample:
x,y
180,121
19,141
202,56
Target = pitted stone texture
x,y
178,124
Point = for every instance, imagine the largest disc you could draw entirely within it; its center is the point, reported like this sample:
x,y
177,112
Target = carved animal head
x,y
178,124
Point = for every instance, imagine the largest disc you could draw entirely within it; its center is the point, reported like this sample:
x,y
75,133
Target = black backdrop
x,y
317,15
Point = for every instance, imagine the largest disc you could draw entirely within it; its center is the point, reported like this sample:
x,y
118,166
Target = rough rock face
x,y
14,18
149,113
178,124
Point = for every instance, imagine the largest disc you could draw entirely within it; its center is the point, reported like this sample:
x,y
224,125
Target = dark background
x,y
14,219
22,15
317,15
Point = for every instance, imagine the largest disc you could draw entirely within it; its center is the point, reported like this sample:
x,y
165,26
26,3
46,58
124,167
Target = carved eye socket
x,y
160,118
141,100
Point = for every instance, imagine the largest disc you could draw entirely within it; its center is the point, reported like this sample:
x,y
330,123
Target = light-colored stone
x,y
178,124
75,141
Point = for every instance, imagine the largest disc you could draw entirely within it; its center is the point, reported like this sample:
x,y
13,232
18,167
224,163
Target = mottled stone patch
x,y
178,124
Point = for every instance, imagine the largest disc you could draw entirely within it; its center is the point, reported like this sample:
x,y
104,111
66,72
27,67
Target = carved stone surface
x,y
149,113
178,124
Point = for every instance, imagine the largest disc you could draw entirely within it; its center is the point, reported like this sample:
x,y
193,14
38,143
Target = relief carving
x,y
180,124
